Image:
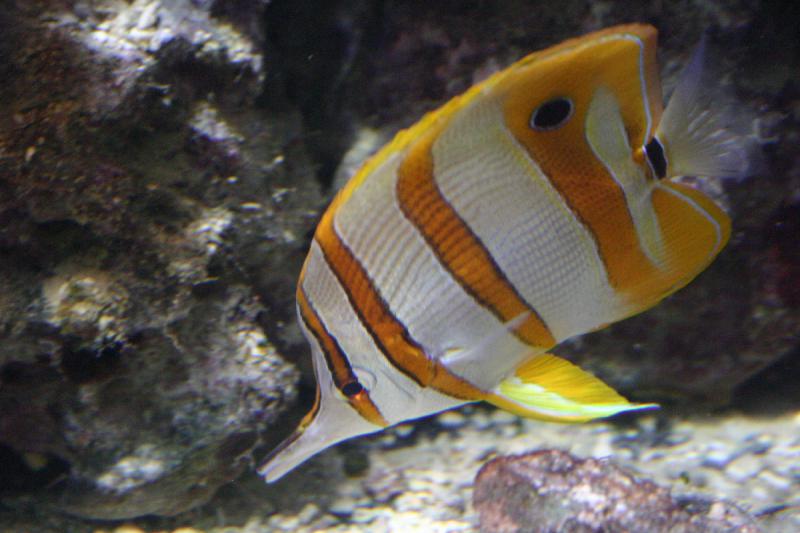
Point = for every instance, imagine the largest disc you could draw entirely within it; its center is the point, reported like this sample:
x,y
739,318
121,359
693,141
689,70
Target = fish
x,y
540,204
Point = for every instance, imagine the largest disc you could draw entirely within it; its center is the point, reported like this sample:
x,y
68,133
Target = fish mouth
x,y
271,469
330,421
278,450
269,465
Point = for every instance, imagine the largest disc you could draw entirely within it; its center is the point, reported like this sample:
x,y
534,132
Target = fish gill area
x,y
163,164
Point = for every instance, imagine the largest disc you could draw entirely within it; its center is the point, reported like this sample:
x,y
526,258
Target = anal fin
x,y
548,387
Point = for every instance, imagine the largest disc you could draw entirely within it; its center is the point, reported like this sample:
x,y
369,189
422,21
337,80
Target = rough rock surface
x,y
551,490
141,182
160,163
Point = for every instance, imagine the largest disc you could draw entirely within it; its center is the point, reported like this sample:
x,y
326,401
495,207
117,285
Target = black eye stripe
x,y
656,158
551,114
352,388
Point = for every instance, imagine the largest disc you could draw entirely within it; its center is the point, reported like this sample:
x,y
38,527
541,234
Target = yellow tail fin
x,y
551,388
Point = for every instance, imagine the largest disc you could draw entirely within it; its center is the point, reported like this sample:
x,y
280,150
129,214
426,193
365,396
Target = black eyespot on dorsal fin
x,y
656,158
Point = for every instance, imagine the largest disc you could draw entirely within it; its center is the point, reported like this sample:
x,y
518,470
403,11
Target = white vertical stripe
x,y
642,85
397,397
606,136
420,292
502,194
642,78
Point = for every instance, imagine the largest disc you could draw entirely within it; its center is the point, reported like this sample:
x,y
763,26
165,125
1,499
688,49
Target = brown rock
x,y
551,490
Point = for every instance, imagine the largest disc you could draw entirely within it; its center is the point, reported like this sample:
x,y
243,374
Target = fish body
x,y
535,207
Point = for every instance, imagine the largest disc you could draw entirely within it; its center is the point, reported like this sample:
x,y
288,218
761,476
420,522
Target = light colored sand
x,y
419,476
427,486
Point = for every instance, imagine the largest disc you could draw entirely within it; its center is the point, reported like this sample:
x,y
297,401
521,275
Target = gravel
x,y
422,480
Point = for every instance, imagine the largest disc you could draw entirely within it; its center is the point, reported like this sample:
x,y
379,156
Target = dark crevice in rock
x,y
88,364
23,473
772,391
315,64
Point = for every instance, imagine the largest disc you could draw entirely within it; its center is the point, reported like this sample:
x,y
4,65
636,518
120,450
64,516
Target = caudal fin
x,y
698,133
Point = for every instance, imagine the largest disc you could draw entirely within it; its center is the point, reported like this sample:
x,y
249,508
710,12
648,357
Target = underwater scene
x,y
399,266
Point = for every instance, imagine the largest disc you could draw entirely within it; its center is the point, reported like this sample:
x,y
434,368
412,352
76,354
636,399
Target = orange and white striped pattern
x,y
475,241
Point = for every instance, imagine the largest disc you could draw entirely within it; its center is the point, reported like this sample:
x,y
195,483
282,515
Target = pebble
x,y
308,513
504,417
507,431
775,480
403,430
602,446
758,444
342,506
451,419
717,459
744,468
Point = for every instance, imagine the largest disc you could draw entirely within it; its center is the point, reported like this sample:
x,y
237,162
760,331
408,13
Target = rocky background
x,y
162,166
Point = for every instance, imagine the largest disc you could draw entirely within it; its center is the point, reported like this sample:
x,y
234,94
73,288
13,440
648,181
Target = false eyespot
x,y
352,389
364,381
551,114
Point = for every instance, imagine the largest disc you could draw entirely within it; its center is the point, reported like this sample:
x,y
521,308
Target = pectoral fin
x,y
551,388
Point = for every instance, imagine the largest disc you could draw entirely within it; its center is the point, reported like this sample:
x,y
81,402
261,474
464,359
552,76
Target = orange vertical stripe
x,y
690,236
388,333
459,250
566,158
337,361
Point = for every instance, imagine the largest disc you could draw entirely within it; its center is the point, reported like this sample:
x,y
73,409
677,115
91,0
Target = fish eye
x,y
551,114
351,389
656,158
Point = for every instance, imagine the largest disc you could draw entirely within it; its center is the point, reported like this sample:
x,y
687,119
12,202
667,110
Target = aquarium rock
x,y
154,201
552,490
162,166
